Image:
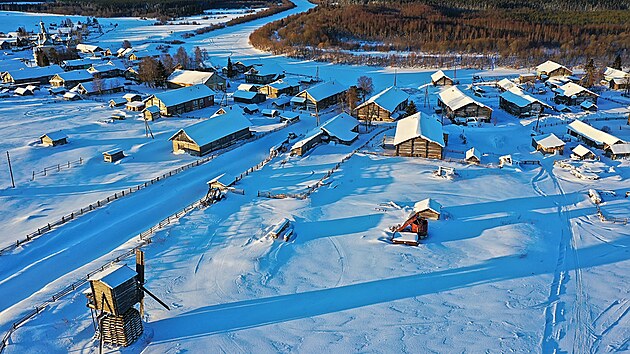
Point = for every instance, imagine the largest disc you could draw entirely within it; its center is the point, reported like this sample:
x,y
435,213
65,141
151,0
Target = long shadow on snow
x,y
253,313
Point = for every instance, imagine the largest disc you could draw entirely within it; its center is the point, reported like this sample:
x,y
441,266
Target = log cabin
x,y
581,152
319,97
263,74
386,105
99,87
281,87
592,136
572,94
342,129
113,155
550,69
619,151
419,135
36,75
151,113
428,209
548,144
185,78
70,79
461,108
248,97
518,103
439,78
53,139
182,100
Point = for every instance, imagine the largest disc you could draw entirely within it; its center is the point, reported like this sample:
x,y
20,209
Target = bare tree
x,y
198,58
365,86
182,58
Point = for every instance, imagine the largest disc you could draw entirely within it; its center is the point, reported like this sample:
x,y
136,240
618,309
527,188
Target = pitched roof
x,y
548,141
438,75
581,150
35,73
105,84
619,149
152,109
341,126
570,88
472,152
549,66
215,128
266,69
611,73
184,94
325,90
506,84
312,134
388,99
593,134
58,135
75,75
419,125
455,99
520,98
114,275
189,77
283,84
245,95
79,62
427,204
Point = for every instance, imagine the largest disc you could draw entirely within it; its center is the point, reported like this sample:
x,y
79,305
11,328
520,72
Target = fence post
x,y
32,179
58,167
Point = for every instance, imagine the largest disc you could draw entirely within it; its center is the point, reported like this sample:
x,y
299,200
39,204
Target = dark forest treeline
x,y
423,28
136,8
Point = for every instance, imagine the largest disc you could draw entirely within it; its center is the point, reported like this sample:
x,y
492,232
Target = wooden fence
x,y
56,168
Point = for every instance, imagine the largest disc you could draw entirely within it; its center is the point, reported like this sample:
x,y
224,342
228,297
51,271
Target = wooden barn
x,y
548,144
88,48
135,106
419,135
581,152
78,64
53,139
281,87
70,79
113,155
618,151
342,129
387,105
311,139
550,69
185,78
248,97
117,102
523,78
319,97
461,108
263,74
428,209
182,100
36,75
132,97
212,134
99,87
592,136
572,94
518,103
107,70
439,78
151,113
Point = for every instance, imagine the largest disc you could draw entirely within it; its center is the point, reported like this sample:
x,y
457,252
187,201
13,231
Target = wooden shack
x,y
473,156
548,144
461,108
573,94
581,152
619,151
182,100
550,69
439,78
135,106
419,135
113,155
53,139
151,113
281,87
518,103
114,290
428,209
319,97
592,136
248,97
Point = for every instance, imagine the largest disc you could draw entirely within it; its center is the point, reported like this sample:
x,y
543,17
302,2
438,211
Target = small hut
x,y
222,182
53,139
151,113
113,155
588,106
71,96
581,152
439,78
473,156
135,106
619,151
132,97
117,102
428,208
548,144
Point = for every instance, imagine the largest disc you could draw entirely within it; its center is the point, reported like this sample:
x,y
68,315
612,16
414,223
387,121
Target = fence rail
x,y
56,168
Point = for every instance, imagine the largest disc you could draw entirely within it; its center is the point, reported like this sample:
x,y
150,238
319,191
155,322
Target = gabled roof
x,y
506,84
215,128
520,98
245,95
265,69
341,126
548,141
324,90
152,109
224,179
80,62
184,94
35,73
593,134
427,204
105,84
549,66
581,151
312,134
110,66
455,99
419,125
588,105
190,77
472,152
88,47
388,99
436,76
611,73
569,89
283,84
58,135
75,75
620,149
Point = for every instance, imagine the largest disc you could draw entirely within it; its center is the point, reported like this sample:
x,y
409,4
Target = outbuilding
x,y
182,100
548,144
113,155
319,97
461,108
151,113
581,152
550,69
53,139
439,78
518,103
428,209
573,94
473,156
592,136
619,151
185,78
248,97
386,105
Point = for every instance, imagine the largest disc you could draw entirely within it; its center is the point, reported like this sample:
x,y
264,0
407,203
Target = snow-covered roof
x,y
506,84
130,96
419,125
105,84
22,91
436,76
341,126
87,47
581,150
244,95
103,68
324,90
620,149
114,276
58,135
388,99
297,99
593,134
549,66
269,112
189,77
252,107
79,62
548,141
427,204
570,88
281,101
520,98
74,75
215,128
611,73
588,105
184,94
152,109
35,73
266,69
70,95
283,84
224,179
472,152
289,115
135,104
455,99
312,134
247,87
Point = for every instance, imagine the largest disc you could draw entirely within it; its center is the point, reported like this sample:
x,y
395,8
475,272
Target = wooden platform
x,y
122,330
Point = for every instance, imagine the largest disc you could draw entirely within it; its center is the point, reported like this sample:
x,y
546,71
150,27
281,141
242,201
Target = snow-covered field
x,y
520,261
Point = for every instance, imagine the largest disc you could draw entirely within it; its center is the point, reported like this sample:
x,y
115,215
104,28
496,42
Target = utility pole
x,y
10,170
140,271
147,129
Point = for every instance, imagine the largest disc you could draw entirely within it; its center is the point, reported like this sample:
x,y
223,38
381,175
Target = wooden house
x,y
524,78
107,70
550,69
222,182
248,97
439,78
182,100
505,84
135,106
281,87
518,103
89,48
70,79
212,134
319,97
548,144
151,113
419,135
113,155
428,209
289,117
271,113
312,138
618,151
24,91
37,75
588,106
251,108
186,78
53,139
114,290
342,129
387,105
573,94
248,87
78,64
282,102
581,152
473,156
71,96
99,87
616,79
592,136
132,97
461,108
263,74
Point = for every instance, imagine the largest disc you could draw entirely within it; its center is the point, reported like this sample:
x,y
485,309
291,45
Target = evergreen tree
x,y
230,68
198,58
160,75
617,63
589,78
411,108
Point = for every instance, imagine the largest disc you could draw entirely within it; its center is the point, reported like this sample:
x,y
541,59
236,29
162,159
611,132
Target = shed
x,y
281,102
113,155
473,156
428,208
222,181
251,108
115,290
551,68
263,73
54,139
457,106
320,96
581,152
248,87
270,113
289,117
71,96
151,113
281,87
523,78
182,100
341,128
573,94
592,136
185,78
419,135
248,97
588,106
132,97
439,78
23,91
505,84
311,139
548,144
117,102
515,101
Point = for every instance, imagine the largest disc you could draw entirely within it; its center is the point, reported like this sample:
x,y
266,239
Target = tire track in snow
x,y
609,320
